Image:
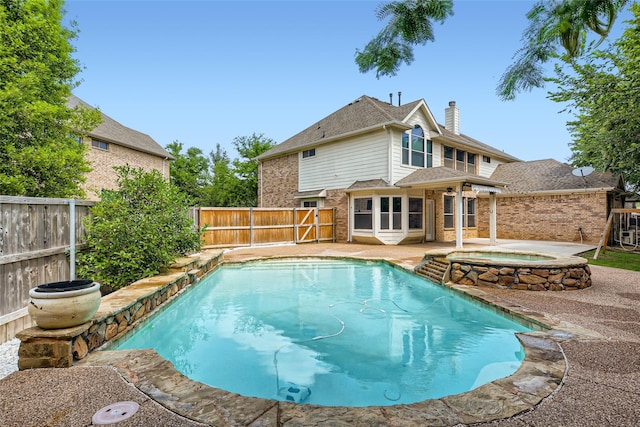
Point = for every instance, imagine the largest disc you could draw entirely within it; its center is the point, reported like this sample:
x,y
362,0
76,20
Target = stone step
x,y
433,269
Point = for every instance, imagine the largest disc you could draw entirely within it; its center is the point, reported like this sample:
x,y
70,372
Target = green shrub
x,y
137,230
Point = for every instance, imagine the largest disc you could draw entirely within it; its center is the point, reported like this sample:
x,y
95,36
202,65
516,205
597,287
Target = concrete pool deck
x,y
600,387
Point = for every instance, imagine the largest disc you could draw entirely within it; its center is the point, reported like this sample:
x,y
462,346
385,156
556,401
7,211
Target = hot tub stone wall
x,y
523,278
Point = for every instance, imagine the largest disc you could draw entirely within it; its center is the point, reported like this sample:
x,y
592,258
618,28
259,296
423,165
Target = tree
x,y
39,151
604,93
557,30
409,24
189,171
222,179
245,169
137,230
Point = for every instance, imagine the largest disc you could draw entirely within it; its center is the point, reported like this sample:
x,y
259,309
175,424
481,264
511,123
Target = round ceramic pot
x,y
64,304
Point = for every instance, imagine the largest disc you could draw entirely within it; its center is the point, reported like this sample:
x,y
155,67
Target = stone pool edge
x,y
540,375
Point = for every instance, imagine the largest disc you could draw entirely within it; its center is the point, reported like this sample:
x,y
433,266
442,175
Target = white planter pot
x,y
64,304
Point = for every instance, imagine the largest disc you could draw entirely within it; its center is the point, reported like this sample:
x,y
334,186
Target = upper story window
x,y
416,149
309,153
96,143
459,159
486,159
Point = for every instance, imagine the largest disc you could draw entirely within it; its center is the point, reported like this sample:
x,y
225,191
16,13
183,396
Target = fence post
x,y
295,227
251,226
72,239
317,219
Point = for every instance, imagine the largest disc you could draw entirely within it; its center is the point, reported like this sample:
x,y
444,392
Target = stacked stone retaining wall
x,y
118,313
524,278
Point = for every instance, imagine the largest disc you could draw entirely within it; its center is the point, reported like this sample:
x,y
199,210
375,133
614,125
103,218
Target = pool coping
x,y
541,374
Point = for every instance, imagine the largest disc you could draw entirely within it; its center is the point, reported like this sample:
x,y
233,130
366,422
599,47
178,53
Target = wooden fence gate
x,y
232,227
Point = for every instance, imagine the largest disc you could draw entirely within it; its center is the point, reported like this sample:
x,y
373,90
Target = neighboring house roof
x,y
112,131
442,175
366,114
550,175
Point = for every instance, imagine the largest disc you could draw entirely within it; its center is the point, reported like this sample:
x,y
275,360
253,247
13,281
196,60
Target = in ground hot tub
x,y
532,271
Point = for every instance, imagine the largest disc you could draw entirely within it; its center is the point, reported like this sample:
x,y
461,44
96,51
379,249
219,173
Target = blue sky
x,y
205,72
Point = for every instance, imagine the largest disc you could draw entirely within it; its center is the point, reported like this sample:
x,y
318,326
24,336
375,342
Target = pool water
x,y
336,333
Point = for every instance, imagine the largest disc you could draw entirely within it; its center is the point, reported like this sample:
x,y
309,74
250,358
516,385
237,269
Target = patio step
x,y
433,269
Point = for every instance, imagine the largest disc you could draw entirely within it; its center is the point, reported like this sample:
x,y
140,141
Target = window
x,y
459,159
468,212
448,157
391,213
471,163
310,204
309,153
363,219
96,143
486,159
470,217
416,150
449,211
415,213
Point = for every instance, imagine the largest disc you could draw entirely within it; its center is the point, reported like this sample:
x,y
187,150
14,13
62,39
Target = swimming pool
x,y
336,333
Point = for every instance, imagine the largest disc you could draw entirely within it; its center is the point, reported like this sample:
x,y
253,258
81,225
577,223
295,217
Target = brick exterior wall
x,y
340,200
103,176
278,182
547,217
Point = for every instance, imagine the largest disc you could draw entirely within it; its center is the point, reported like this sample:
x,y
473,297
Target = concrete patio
x,y
600,386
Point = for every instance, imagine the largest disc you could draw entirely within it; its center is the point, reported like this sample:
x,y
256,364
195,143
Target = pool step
x,y
433,268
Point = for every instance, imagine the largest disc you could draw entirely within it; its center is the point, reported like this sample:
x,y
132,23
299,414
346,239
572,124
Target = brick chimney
x,y
452,118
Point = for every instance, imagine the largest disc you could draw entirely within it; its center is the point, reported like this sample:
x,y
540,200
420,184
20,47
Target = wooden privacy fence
x,y
38,239
228,227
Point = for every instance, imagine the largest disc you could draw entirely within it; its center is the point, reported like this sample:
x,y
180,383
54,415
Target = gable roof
x,y
366,114
112,131
550,175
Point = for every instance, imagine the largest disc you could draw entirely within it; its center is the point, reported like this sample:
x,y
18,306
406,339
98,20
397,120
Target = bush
x,y
137,230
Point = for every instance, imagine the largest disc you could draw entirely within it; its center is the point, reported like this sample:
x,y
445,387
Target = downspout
x,y
389,155
261,191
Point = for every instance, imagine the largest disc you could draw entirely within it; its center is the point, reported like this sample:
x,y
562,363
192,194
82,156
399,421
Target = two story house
x,y
394,175
113,144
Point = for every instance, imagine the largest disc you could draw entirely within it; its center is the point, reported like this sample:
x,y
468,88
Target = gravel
x,y
9,357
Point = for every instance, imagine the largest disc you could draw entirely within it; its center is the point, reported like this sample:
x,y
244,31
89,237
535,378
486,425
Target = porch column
x,y
459,216
492,218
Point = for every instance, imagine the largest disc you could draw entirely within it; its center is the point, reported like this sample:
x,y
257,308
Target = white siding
x,y
486,169
338,165
399,170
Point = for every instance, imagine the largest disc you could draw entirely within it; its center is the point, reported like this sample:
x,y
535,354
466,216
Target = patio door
x,y
430,221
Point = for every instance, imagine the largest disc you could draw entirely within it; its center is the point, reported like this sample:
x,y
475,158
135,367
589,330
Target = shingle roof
x,y
549,175
367,113
443,174
112,131
363,113
370,184
474,144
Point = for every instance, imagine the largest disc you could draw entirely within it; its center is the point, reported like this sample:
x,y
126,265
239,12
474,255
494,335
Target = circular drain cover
x,y
115,413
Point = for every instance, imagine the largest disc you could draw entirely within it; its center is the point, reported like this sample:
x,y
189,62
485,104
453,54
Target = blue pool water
x,y
335,333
